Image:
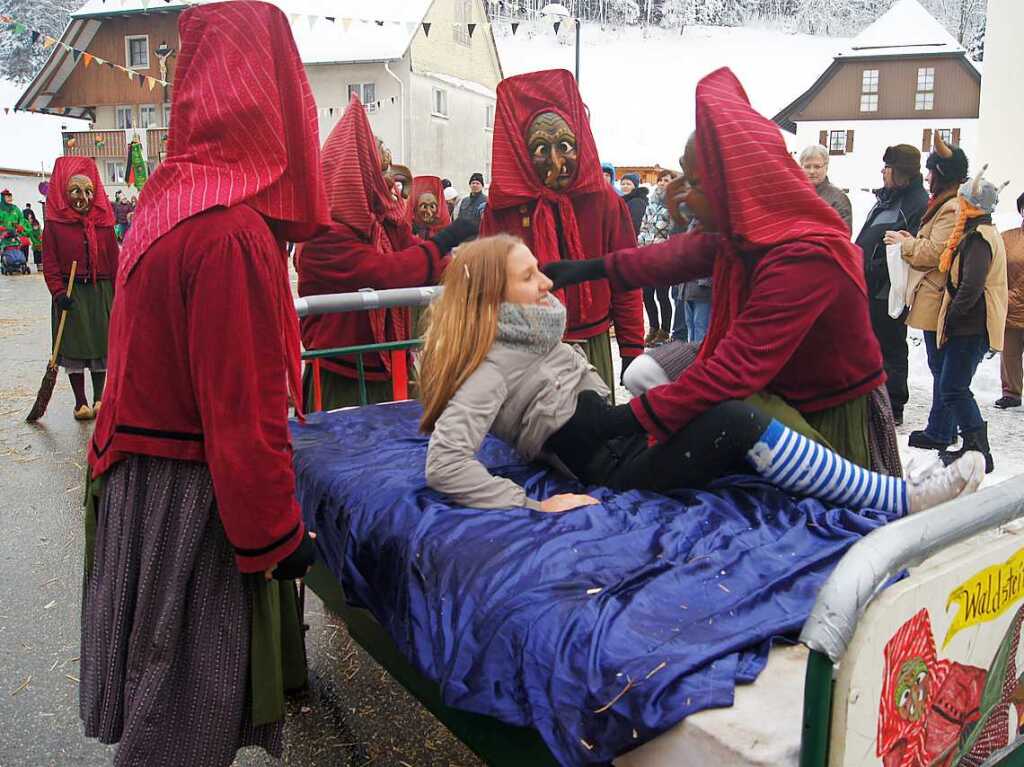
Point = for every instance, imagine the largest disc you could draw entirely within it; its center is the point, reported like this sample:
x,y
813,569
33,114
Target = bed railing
x,y
363,300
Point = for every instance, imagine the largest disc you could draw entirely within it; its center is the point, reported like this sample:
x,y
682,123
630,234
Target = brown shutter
x,y
823,138
926,141
956,136
849,142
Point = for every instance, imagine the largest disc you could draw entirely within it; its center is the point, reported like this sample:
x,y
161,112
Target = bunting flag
x,y
87,59
48,41
515,28
471,28
312,21
76,54
142,79
346,24
35,36
152,82
426,29
557,25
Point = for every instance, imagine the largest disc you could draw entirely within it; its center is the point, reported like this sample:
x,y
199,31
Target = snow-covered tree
x,y
22,53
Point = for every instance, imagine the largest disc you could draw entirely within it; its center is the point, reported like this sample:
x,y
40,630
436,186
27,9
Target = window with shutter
x,y
837,142
823,137
926,140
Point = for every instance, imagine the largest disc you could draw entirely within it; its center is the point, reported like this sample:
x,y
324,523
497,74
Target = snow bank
x,y
640,86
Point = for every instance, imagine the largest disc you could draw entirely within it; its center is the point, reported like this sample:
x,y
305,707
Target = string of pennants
x,y
15,27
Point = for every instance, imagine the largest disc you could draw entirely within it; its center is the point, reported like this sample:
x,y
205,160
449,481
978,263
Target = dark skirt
x,y
167,623
598,351
84,343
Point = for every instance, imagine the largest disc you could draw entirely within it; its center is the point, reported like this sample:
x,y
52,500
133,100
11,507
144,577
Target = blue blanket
x,y
656,605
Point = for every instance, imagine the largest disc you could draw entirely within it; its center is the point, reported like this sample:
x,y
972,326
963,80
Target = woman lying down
x,y
493,360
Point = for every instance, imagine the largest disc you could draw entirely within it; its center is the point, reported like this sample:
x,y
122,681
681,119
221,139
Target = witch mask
x,y
426,208
553,150
81,193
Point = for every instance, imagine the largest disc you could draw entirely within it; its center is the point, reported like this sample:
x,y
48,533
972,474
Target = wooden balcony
x,y
111,144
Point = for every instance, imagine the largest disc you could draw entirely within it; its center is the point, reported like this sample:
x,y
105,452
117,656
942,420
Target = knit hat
x,y
477,177
634,177
5,192
450,193
947,160
903,157
445,183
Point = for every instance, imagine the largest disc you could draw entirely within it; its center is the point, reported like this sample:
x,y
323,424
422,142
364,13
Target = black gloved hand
x,y
564,273
63,303
296,564
455,234
620,422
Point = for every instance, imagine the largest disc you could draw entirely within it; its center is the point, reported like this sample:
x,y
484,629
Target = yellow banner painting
x,y
986,595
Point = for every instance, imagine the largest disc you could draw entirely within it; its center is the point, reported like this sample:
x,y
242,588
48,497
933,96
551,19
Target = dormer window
x,y
924,101
869,91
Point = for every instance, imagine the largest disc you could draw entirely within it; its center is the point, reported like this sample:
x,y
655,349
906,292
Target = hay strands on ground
x,y
50,376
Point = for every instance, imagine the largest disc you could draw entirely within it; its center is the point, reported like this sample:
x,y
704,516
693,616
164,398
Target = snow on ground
x,y
639,85
29,141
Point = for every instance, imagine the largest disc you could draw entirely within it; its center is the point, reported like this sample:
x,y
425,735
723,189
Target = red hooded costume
x,y
789,312
432,185
204,339
68,233
588,220
369,245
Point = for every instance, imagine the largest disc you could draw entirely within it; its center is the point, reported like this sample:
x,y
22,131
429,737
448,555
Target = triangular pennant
x,y
152,82
142,79
426,29
7,110
330,111
87,59
379,23
131,75
331,19
76,54
471,28
35,36
295,18
48,41
515,28
558,24
346,24
99,62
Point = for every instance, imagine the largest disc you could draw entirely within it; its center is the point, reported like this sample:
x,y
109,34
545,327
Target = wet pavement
x,y
353,716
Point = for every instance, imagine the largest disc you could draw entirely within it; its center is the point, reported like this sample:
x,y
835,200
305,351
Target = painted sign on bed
x,y
934,676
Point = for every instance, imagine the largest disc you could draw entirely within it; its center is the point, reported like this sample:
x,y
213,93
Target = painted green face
x,y
426,208
81,193
912,690
553,150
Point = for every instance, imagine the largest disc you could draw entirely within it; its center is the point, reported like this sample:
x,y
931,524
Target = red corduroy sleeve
x,y
237,359
51,267
786,298
627,306
681,258
335,264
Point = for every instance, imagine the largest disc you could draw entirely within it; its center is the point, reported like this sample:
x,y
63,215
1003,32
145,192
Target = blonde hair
x,y
462,324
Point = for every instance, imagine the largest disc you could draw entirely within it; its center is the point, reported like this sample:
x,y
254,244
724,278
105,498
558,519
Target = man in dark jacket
x,y
472,207
901,203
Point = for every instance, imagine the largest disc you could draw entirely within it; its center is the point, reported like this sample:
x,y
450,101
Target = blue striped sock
x,y
800,465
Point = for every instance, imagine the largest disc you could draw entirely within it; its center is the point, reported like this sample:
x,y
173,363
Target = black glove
x,y
63,303
564,273
296,564
455,234
620,422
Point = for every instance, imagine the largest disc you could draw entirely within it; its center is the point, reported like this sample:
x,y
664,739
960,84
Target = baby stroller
x,y
14,261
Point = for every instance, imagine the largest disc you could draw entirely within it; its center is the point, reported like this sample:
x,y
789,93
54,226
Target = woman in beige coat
x,y
1013,340
947,169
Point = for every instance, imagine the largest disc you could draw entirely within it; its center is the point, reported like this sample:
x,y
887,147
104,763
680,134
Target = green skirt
x,y
599,353
88,323
337,391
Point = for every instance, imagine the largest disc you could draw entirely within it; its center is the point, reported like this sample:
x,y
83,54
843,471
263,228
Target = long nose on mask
x,y
557,164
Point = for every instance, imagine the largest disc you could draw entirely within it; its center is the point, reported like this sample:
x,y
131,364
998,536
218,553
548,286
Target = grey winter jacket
x,y
657,224
519,396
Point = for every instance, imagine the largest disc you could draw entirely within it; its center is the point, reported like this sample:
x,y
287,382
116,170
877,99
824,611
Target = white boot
x,y
962,477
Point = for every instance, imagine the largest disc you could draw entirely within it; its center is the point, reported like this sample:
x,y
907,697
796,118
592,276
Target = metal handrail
x,y
335,303
880,555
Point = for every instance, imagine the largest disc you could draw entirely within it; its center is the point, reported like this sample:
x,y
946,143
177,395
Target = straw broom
x,y
50,376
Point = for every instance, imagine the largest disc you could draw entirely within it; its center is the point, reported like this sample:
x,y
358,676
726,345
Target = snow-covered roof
x,y
354,36
906,28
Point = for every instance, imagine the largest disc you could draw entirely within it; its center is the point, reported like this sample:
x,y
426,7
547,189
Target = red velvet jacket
x,y
339,261
64,243
605,226
804,333
197,372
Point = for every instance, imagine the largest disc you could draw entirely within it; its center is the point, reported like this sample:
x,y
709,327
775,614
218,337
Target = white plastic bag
x,y
899,275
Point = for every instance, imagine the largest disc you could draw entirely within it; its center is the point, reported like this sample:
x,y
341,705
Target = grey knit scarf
x,y
536,328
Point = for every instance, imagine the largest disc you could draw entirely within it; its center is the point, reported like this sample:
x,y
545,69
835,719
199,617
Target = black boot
x,y
976,440
920,439
1006,401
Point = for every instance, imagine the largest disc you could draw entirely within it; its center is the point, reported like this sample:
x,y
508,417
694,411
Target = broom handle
x,y
63,316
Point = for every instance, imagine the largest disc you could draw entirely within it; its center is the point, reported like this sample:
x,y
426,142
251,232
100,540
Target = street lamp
x,y
559,11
